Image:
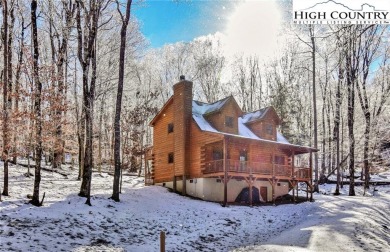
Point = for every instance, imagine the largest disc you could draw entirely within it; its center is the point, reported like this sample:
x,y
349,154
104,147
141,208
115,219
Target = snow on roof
x,y
253,116
203,123
243,130
199,109
281,139
206,108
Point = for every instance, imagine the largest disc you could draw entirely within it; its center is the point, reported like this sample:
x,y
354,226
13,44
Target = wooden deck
x,y
215,168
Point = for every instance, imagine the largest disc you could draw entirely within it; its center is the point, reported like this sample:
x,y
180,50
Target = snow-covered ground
x,y
65,223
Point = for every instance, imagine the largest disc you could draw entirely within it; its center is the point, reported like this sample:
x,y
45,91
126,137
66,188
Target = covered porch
x,y
237,158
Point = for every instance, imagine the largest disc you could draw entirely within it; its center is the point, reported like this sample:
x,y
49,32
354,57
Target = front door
x,y
243,158
263,193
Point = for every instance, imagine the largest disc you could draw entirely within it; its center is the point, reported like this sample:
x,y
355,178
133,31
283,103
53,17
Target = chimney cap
x,y
182,77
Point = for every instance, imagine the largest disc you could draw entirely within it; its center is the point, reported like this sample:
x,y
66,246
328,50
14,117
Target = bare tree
x,y
208,62
37,105
315,124
59,56
86,52
336,130
5,96
371,43
117,131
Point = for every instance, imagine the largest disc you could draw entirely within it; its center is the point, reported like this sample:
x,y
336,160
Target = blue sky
x,y
168,21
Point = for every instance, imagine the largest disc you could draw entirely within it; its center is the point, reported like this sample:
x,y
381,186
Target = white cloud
x,y
254,28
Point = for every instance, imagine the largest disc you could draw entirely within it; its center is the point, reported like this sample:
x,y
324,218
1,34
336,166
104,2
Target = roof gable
x,y
166,105
209,108
260,114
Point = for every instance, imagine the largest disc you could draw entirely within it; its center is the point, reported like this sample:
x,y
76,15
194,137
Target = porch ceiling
x,y
284,146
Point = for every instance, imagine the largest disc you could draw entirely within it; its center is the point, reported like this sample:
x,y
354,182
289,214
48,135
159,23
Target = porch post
x,y
293,173
225,173
307,192
273,176
311,176
292,163
250,191
273,162
273,190
293,183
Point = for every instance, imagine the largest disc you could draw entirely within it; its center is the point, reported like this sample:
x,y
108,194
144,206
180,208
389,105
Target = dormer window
x,y
269,129
229,121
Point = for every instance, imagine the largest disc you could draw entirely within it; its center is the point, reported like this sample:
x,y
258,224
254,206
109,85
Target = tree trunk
x,y
351,78
313,54
86,53
61,97
5,96
89,98
337,125
365,152
351,104
80,127
118,107
101,110
17,79
37,105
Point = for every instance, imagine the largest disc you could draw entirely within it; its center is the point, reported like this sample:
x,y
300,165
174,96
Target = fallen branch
x,y
341,164
45,169
43,197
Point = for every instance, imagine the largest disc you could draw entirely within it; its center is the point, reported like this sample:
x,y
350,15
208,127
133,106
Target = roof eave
x,y
152,122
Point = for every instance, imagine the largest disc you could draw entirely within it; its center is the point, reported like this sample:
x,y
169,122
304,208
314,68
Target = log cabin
x,y
217,152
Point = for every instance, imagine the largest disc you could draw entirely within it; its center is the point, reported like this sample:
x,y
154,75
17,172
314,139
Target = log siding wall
x,y
163,144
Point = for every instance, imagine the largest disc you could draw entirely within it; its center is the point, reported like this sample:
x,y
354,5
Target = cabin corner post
x,y
311,175
225,179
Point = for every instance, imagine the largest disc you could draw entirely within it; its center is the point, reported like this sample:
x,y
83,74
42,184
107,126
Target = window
x,y
170,158
229,121
279,160
170,128
217,154
269,129
243,155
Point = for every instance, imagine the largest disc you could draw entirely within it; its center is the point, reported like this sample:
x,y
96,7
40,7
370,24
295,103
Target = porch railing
x,y
250,167
302,172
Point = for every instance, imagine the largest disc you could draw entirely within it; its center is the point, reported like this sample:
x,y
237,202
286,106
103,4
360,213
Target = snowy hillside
x,y
65,223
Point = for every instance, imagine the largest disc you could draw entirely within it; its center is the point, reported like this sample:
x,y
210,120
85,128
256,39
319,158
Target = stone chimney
x,y
182,103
